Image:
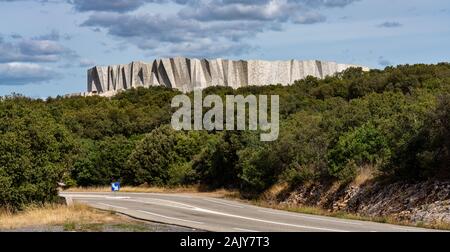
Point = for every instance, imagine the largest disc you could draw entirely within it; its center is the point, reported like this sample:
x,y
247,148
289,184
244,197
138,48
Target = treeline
x,y
395,122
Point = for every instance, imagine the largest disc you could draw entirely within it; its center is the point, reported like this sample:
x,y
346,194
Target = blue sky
x,y
46,46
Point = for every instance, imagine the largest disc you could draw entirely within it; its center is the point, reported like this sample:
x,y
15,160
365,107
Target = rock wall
x,y
187,74
425,202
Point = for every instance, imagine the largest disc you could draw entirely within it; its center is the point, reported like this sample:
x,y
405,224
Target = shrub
x,y
426,154
101,162
362,146
35,152
216,164
161,152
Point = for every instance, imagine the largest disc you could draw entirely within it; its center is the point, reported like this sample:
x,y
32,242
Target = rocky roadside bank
x,y
425,203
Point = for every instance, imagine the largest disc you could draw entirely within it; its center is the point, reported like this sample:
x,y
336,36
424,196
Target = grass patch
x,y
52,214
69,226
75,218
143,189
194,189
130,227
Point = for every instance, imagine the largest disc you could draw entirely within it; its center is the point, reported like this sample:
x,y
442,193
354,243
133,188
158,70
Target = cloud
x,y
170,28
228,8
166,35
196,27
335,3
33,50
310,18
16,73
208,27
250,10
120,6
299,11
196,24
390,25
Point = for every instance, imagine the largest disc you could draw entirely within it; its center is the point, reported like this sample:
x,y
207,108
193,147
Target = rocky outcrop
x,y
187,74
421,202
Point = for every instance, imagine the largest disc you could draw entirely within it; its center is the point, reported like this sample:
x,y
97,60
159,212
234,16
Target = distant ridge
x,y
187,74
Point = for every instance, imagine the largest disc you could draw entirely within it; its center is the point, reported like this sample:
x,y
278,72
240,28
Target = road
x,y
214,214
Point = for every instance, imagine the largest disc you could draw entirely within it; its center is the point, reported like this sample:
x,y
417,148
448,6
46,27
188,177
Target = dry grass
x,y
143,189
195,189
320,211
53,214
364,174
274,191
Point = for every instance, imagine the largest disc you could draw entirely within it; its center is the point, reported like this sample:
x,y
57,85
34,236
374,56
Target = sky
x,y
46,46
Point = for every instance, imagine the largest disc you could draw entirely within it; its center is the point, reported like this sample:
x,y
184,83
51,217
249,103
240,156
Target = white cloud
x,y
33,50
209,28
16,73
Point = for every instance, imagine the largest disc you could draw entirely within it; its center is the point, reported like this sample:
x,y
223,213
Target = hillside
x,y
391,124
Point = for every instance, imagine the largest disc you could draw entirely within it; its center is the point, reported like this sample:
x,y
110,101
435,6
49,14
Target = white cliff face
x,y
187,74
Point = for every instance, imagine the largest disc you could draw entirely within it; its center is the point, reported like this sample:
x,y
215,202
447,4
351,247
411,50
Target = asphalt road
x,y
213,214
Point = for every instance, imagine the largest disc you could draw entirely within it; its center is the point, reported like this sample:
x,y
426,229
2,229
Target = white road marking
x,y
162,202
270,222
170,218
223,203
94,196
83,196
161,194
108,205
310,217
245,230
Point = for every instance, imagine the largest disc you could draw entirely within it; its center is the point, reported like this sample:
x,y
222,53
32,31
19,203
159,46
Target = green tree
x,y
362,146
35,153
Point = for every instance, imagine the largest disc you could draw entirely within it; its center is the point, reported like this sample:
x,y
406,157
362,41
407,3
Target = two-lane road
x,y
213,214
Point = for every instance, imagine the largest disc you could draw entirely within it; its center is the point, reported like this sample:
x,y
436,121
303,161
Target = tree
x,y
35,153
359,147
101,162
150,160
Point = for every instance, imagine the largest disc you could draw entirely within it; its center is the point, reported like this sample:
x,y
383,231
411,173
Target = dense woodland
x,y
395,122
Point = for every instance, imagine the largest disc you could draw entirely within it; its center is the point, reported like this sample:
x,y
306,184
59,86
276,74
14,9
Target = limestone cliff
x,y
187,74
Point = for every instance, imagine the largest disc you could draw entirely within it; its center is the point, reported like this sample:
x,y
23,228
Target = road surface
x,y
214,214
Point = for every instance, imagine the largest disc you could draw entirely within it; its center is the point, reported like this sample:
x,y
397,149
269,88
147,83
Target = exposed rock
x,y
187,74
427,202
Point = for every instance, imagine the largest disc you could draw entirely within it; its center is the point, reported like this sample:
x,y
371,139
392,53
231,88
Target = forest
x,y
395,122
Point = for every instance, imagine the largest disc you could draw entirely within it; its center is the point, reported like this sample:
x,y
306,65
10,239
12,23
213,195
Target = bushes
x,y
216,164
34,154
364,146
101,162
427,153
150,160
258,169
163,157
